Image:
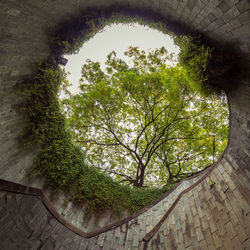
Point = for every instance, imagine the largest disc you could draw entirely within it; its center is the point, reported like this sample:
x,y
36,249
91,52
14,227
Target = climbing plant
x,y
61,161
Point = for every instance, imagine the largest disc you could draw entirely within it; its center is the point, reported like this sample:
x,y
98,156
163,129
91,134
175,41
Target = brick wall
x,y
193,216
206,218
217,218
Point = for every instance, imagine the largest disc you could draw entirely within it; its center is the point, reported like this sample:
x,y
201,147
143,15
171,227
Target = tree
x,y
142,121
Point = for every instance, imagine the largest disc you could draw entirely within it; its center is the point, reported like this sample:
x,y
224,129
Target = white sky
x,y
117,37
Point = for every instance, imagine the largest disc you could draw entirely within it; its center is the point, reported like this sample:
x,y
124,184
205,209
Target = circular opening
x,y
163,130
61,159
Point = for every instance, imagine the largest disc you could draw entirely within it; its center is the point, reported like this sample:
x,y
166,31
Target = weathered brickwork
x,y
24,40
203,218
26,224
210,218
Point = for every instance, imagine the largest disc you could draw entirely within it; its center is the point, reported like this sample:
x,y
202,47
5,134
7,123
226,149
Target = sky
x,y
117,37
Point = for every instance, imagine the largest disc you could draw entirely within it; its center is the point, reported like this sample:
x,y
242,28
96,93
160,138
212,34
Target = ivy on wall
x,y
61,162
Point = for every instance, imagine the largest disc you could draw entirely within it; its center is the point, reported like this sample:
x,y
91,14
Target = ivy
x,y
61,162
195,57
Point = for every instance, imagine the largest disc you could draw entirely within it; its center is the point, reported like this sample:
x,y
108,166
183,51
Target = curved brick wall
x,y
193,216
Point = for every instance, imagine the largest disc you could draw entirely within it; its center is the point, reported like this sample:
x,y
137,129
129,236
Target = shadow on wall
x,y
15,162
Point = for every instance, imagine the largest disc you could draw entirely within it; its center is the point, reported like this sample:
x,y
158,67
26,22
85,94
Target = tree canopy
x,y
143,122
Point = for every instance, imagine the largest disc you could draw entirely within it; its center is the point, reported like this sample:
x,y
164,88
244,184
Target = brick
x,y
199,234
236,243
193,210
189,215
110,235
204,223
234,220
200,210
230,230
172,240
243,6
130,234
195,243
149,220
227,204
203,244
212,226
214,213
233,201
231,184
122,238
232,13
142,233
209,239
195,193
246,244
211,202
191,4
221,168
244,205
179,238
96,247
221,228
241,234
161,233
211,17
225,5
117,232
92,243
228,167
224,186
208,194
241,190
226,177
220,191
187,239
217,240
107,244
197,222
114,243
101,239
149,228
226,243
46,232
218,199
135,241
177,224
191,199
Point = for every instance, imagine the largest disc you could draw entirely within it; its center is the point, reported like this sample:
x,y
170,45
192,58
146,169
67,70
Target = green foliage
x,y
194,58
46,126
61,162
143,123
211,183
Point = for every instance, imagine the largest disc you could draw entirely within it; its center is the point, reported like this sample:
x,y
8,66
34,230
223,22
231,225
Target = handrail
x,y
19,188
